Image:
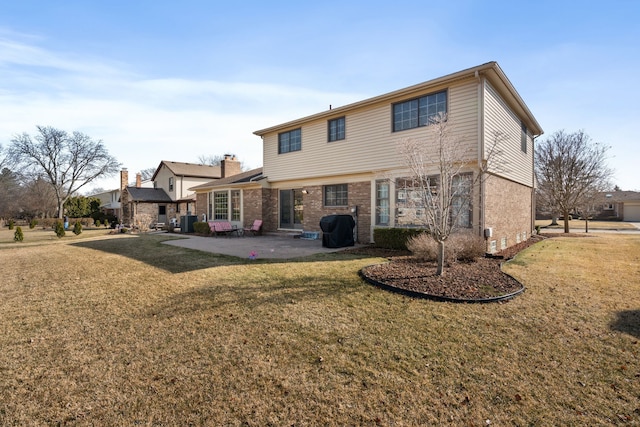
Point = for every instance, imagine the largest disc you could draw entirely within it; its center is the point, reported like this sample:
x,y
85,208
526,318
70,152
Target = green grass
x,y
127,331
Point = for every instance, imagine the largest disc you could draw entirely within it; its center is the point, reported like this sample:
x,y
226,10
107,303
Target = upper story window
x,y
336,195
336,129
290,141
523,137
170,183
418,112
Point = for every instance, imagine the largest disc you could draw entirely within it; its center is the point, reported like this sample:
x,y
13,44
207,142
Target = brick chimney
x,y
229,166
138,180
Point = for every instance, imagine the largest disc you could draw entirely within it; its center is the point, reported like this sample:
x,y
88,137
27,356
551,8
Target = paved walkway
x,y
267,246
580,229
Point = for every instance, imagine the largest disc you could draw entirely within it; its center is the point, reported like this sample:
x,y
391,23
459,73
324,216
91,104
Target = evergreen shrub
x,y
395,238
18,236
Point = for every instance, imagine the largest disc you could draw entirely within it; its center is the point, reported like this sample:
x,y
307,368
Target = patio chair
x,y
255,228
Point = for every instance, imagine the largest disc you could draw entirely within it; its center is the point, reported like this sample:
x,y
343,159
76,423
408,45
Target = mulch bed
x,y
482,280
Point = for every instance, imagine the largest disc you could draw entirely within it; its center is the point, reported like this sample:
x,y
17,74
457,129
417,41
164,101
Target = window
x,y
170,183
461,200
336,129
418,112
290,141
410,199
414,196
221,205
608,206
523,137
382,203
235,205
335,195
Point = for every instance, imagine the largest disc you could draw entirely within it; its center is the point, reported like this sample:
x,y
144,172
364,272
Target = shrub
x,y
462,246
18,236
33,223
201,228
97,223
59,229
77,228
466,246
423,247
11,224
395,238
537,229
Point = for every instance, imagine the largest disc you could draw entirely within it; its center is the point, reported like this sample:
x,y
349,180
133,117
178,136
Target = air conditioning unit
x,y
488,232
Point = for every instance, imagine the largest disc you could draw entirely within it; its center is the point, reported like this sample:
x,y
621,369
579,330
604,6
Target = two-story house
x,y
346,160
171,197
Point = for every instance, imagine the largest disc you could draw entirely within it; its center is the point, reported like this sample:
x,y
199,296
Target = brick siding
x,y
508,210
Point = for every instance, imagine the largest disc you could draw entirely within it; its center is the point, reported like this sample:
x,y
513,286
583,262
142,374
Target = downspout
x,y
480,130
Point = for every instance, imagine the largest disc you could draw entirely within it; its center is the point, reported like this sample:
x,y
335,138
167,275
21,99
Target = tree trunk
x,y
440,270
586,225
566,222
554,219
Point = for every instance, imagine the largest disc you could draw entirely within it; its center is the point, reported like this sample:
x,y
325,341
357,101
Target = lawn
x,y
127,331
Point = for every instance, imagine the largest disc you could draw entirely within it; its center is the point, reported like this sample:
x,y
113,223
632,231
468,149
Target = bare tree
x,y
147,174
210,160
215,160
66,161
443,175
569,168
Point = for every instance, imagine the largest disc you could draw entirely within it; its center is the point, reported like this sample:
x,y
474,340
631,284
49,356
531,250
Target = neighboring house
x,y
620,205
339,161
170,197
110,200
239,199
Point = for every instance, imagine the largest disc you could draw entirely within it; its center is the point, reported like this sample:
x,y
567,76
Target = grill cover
x,y
337,231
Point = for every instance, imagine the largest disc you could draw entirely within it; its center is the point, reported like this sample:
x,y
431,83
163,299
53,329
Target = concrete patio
x,y
267,246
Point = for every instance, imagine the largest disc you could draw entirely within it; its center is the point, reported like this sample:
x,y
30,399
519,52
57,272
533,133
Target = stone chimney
x,y
124,178
138,180
230,166
124,195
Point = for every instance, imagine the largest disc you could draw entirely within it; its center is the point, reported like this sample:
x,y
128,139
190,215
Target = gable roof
x,y
621,196
241,178
189,169
149,195
490,70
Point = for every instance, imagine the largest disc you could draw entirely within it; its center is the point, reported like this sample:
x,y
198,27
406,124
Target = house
x,y
620,205
345,160
238,199
110,200
171,197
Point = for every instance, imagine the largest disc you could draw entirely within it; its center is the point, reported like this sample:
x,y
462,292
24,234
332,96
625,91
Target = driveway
x,y
267,246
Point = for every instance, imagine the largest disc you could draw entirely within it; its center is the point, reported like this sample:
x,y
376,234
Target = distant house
x,y
621,205
110,200
171,197
340,161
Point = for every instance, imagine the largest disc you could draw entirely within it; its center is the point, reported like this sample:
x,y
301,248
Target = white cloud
x,y
143,121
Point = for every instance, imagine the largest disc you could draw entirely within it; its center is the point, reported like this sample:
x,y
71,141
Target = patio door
x,y
291,209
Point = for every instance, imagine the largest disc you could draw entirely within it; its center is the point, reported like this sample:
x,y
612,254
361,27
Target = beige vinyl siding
x,y
162,181
499,117
369,144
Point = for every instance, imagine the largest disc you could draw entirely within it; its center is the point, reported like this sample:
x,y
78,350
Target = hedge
x,y
394,238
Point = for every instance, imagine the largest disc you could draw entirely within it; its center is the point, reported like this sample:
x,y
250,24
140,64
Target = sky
x,y
165,80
